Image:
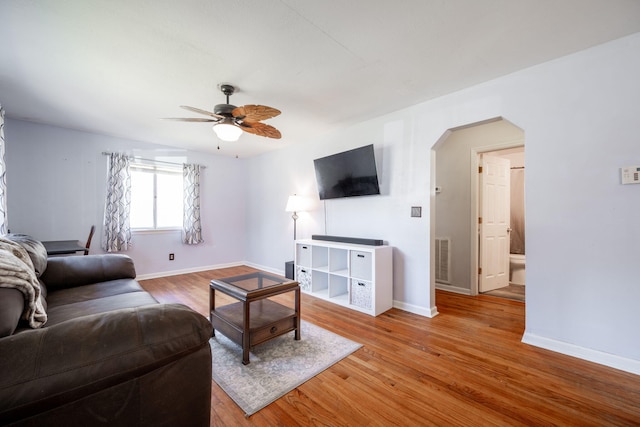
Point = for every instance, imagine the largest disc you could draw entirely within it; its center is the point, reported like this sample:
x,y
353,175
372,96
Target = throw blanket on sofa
x,y
16,271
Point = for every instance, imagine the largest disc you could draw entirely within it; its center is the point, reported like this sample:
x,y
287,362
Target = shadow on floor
x,y
515,292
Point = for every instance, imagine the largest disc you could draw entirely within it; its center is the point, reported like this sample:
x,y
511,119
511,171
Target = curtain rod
x,y
105,153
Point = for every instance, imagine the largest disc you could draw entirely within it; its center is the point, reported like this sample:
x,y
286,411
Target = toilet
x,y
516,269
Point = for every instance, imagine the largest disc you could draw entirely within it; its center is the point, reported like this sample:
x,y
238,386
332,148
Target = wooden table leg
x,y
297,309
246,338
212,306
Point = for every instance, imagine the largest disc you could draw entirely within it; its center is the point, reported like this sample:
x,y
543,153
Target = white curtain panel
x,y
191,225
4,226
116,234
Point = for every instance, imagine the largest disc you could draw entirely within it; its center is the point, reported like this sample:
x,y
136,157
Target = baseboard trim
x,y
265,268
422,311
602,358
454,289
187,270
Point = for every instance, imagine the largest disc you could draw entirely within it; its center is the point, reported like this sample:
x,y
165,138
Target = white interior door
x,y
494,223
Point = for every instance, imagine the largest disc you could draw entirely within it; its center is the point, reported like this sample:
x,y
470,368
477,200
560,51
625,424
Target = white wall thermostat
x,y
630,175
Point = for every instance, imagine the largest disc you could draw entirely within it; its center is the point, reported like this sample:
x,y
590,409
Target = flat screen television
x,y
347,174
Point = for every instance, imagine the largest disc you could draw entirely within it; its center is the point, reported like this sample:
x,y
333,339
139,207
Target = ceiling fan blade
x,y
200,111
189,119
261,129
254,113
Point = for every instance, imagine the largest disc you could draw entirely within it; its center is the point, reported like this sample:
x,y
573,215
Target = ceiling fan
x,y
230,121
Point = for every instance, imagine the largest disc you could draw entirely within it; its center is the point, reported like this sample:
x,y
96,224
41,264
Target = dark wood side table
x,y
254,319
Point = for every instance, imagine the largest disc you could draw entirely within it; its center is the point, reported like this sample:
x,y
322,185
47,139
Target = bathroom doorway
x,y
455,207
509,257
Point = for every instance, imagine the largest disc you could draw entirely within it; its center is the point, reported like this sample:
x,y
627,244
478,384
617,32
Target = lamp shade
x,y
227,132
295,204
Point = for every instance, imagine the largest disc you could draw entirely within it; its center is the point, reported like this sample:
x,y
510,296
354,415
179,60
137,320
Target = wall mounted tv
x,y
347,174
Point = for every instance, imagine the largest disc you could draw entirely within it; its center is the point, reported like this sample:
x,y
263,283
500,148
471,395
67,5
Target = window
x,y
156,197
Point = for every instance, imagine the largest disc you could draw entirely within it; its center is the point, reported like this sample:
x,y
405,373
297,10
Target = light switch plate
x,y
630,175
416,211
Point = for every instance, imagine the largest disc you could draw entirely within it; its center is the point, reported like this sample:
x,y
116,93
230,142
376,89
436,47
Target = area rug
x,y
277,366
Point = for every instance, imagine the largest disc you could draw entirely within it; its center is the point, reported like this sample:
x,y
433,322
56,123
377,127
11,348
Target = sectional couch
x,y
82,343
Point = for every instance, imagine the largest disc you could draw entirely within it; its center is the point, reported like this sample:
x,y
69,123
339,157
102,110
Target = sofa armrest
x,y
72,271
48,367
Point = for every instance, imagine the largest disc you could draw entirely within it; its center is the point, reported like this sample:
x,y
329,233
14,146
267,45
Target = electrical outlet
x,y
171,257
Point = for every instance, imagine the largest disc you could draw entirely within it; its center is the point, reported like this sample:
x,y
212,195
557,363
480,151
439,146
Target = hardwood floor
x,y
464,367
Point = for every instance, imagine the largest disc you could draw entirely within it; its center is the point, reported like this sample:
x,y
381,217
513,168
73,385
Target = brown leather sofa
x,y
108,353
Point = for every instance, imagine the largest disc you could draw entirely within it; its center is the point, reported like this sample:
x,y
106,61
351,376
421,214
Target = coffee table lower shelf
x,y
267,320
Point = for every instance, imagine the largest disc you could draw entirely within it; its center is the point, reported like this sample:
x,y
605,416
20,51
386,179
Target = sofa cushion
x,y
49,369
95,291
61,313
35,249
74,271
11,308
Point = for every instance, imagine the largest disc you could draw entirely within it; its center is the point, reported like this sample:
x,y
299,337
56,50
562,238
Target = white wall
x,y
579,115
404,182
56,191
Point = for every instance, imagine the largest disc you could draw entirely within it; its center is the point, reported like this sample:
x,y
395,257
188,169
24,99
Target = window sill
x,y
155,230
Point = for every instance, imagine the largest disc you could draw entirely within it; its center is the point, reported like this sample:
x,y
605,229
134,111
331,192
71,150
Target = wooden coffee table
x,y
254,319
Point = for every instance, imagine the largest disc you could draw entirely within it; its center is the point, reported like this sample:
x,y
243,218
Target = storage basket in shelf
x,y
303,276
360,294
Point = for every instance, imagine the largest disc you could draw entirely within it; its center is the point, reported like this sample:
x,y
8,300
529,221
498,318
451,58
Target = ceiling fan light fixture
x,y
231,121
227,132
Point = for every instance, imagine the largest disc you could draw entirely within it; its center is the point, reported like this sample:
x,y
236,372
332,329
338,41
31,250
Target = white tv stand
x,y
359,277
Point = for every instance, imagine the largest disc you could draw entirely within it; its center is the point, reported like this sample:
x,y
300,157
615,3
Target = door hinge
x,y
479,270
479,220
479,169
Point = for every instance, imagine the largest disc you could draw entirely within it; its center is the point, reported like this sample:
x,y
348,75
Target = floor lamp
x,y
295,204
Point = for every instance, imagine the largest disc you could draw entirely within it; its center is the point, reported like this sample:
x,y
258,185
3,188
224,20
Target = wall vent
x,y
443,260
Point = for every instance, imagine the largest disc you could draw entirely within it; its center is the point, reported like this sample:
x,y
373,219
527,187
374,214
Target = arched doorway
x,y
455,219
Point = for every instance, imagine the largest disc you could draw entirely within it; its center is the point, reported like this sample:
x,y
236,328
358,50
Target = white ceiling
x,y
116,67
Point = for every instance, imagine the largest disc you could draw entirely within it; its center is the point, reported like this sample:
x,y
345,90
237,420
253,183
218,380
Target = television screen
x,y
347,174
